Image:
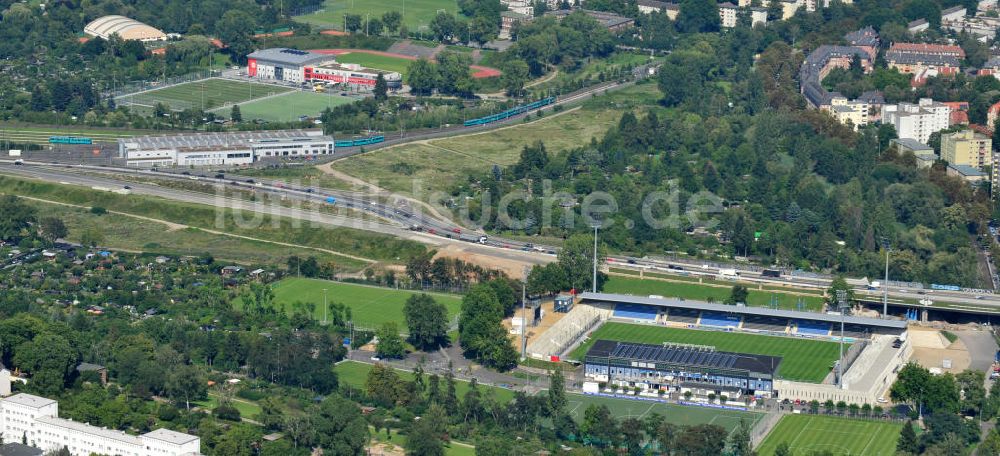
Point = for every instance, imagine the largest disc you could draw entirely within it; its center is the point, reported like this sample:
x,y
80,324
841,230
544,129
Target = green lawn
x,y
355,374
672,413
288,107
247,408
416,13
378,62
806,434
695,291
205,94
371,306
802,360
438,165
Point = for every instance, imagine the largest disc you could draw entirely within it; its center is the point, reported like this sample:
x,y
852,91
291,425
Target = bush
x,y
168,413
251,394
226,412
98,210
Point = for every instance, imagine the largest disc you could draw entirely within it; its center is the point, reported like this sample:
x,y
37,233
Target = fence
x,y
134,87
763,426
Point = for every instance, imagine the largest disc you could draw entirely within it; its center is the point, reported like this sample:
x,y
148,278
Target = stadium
x,y
662,345
297,66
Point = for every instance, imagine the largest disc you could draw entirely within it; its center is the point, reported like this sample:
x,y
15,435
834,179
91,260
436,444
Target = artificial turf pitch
x,y
205,94
802,359
807,434
288,107
370,306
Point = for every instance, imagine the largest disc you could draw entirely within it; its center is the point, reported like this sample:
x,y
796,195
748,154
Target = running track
x,y
480,71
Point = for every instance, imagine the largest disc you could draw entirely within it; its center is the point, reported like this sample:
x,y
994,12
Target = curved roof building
x,y
125,28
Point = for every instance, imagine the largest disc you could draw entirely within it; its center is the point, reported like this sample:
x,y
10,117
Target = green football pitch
x,y
370,306
802,360
375,61
416,13
684,415
206,94
693,290
288,107
806,434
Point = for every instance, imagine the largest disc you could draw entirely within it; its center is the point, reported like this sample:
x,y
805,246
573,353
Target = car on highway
x,y
220,176
249,181
126,187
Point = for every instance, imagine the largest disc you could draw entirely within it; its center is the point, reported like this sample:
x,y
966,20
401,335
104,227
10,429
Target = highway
x,y
399,218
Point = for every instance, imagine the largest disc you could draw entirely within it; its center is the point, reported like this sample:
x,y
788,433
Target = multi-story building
x,y
654,6
866,38
924,154
235,148
925,60
967,147
508,19
847,112
758,16
819,63
917,121
953,14
991,116
525,7
297,66
35,420
728,13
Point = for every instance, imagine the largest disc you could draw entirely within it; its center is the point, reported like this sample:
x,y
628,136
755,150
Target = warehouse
x,y
236,148
127,29
297,66
680,367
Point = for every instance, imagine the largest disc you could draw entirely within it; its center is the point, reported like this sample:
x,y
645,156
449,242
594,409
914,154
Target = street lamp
x,y
594,284
885,285
842,304
324,306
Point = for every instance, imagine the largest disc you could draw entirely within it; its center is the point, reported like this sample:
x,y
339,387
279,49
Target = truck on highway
x,y
874,285
728,273
771,273
14,153
331,200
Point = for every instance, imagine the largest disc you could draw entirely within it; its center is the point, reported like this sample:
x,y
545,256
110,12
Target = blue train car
x,y
69,140
359,142
510,112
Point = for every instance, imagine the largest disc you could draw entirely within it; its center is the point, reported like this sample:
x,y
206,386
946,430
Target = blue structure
x,y
510,112
359,142
665,367
719,319
814,328
935,286
69,140
635,312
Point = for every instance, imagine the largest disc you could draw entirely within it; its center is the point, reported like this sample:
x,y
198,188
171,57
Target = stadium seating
x,y
686,316
635,312
760,323
814,328
719,319
561,336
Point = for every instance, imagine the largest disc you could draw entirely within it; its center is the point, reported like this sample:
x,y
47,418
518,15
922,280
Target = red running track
x,y
480,72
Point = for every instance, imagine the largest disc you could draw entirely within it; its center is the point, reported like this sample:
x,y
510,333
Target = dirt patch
x,y
385,449
931,349
511,267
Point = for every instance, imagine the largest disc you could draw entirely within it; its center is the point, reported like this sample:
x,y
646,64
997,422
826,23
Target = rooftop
x,y
231,139
88,429
29,400
864,37
912,144
606,19
925,48
967,171
684,355
288,56
761,311
17,449
172,437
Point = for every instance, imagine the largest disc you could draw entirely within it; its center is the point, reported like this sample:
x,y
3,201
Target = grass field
x,y
416,13
370,306
355,374
695,291
672,413
806,434
802,360
378,62
129,233
437,165
287,107
205,94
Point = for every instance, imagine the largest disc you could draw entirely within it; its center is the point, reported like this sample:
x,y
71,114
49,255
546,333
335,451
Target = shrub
x,y
226,412
98,210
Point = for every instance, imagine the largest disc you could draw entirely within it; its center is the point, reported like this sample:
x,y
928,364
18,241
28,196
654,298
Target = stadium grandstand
x,y
656,367
126,28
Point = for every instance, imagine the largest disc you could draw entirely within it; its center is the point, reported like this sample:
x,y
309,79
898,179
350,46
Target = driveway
x,y
982,348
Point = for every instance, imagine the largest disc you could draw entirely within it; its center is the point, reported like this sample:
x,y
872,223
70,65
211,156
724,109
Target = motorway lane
x,y
64,176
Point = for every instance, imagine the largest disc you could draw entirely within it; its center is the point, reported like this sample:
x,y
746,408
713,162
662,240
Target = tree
x,y
390,345
453,70
426,434
577,260
908,440
186,383
783,450
481,333
236,28
702,440
426,321
339,427
422,76
738,295
235,115
839,284
15,218
392,20
382,385
49,359
739,441
444,26
698,16
352,22
515,75
52,228
557,392
599,425
381,88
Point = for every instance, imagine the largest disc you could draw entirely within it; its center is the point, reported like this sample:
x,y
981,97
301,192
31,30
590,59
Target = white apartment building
x,y
727,14
36,420
917,121
847,112
234,148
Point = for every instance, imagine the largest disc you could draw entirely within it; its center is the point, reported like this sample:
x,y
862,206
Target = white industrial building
x,y
35,420
235,148
917,121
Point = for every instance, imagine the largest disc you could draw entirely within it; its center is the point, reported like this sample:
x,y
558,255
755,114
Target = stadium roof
x,y
125,28
287,56
232,139
762,311
686,356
